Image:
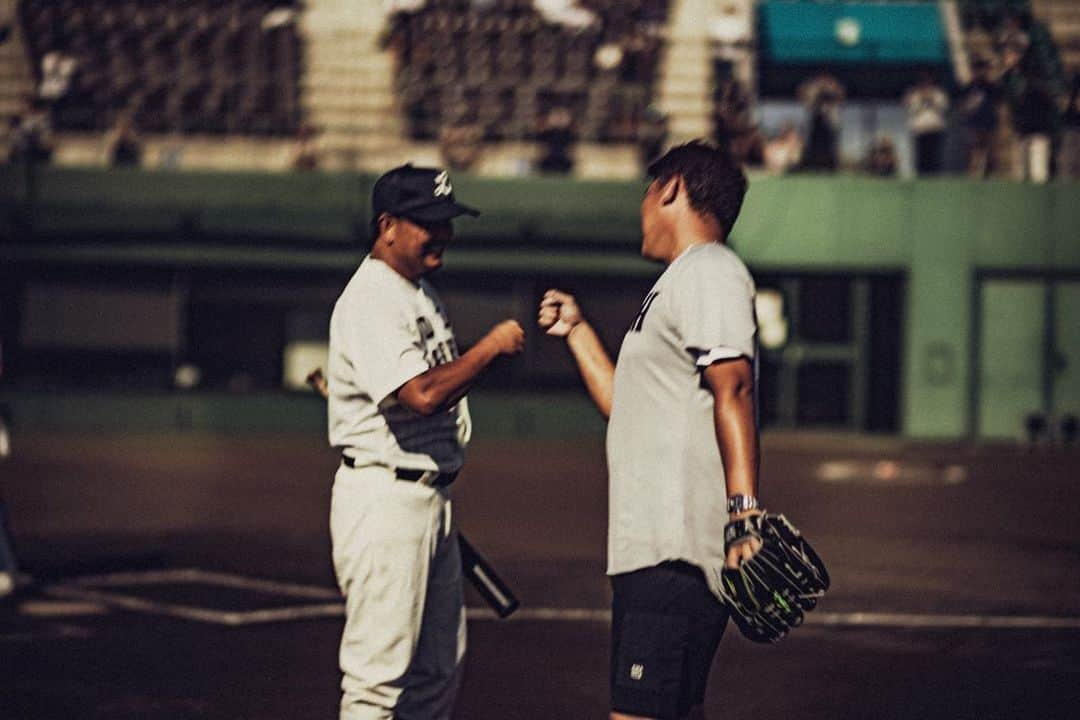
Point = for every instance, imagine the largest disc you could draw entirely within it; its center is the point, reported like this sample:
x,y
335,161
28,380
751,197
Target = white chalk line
x,y
205,577
943,621
98,589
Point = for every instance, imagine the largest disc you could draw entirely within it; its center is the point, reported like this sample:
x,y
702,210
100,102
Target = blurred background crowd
x,y
513,87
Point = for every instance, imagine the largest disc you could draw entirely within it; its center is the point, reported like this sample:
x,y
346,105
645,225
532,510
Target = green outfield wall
x,y
946,237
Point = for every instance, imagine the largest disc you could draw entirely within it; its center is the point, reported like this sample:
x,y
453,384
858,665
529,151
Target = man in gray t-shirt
x,y
682,444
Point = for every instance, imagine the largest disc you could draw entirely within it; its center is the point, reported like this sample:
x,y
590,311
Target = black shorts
x,y
665,627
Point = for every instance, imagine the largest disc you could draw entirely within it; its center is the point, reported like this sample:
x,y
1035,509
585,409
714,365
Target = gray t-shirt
x,y
384,331
668,499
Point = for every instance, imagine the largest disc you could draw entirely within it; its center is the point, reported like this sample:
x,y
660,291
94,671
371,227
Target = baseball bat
x,y
480,572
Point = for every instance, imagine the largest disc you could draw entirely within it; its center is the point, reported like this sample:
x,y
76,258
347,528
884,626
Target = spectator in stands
x,y
652,135
608,57
556,137
124,148
565,12
1033,112
461,139
783,152
1012,40
57,71
748,146
638,62
734,124
979,103
278,18
927,105
731,99
881,160
31,136
1042,58
730,27
305,156
823,97
1068,159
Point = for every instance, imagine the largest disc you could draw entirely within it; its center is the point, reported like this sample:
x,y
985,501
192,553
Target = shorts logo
x,y
442,184
637,671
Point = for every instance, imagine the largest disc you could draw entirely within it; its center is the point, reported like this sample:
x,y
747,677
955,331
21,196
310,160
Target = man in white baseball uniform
x,y
682,444
398,414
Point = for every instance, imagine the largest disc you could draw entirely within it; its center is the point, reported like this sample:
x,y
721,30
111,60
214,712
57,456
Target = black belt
x,y
409,475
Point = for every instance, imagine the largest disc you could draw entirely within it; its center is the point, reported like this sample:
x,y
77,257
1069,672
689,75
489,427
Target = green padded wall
x,y
940,234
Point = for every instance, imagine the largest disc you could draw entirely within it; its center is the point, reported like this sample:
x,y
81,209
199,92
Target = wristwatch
x,y
741,503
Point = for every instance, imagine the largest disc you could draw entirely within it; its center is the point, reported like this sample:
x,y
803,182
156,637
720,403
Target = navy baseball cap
x,y
424,195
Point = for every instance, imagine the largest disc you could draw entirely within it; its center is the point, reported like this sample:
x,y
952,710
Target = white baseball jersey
x,y
668,499
384,331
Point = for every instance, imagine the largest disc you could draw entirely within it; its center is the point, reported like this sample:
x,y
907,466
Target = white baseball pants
x,y
398,564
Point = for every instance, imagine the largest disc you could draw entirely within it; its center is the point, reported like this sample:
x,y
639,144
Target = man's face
x,y
650,212
418,247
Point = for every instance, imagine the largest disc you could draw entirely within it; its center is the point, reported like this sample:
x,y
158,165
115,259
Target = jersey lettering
x,y
437,352
424,327
439,355
640,319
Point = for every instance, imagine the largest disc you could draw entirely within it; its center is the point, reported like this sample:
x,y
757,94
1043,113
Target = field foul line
x,y
98,589
204,577
944,621
823,619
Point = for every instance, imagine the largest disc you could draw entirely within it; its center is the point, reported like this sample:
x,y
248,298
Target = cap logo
x,y
442,184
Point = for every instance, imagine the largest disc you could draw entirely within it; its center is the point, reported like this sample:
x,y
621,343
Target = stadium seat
x,y
171,61
451,43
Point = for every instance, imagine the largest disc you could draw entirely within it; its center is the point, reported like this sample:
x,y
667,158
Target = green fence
x,y
942,236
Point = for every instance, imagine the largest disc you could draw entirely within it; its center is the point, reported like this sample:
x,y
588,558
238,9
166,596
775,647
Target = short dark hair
x,y
714,180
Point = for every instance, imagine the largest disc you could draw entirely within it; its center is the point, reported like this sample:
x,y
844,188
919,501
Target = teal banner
x,y
839,32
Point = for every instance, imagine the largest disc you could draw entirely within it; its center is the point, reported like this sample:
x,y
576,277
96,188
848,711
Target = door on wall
x,y
1013,323
830,349
1028,352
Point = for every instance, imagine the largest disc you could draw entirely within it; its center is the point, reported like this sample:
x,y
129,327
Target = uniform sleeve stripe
x,y
705,359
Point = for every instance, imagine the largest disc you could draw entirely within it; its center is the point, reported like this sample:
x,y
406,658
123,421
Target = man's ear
x,y
670,190
386,224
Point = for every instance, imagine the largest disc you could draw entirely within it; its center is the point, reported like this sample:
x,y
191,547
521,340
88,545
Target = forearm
x,y
443,385
737,438
594,364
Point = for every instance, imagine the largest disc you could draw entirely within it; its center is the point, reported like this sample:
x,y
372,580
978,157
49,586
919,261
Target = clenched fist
x,y
559,313
507,337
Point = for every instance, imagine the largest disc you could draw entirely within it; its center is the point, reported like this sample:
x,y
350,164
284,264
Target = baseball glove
x,y
769,593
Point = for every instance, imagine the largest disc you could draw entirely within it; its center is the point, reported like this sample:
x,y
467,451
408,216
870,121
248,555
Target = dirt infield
x,y
956,581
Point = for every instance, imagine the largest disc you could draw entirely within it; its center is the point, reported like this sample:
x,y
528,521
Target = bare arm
x,y
732,386
560,316
594,364
443,385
